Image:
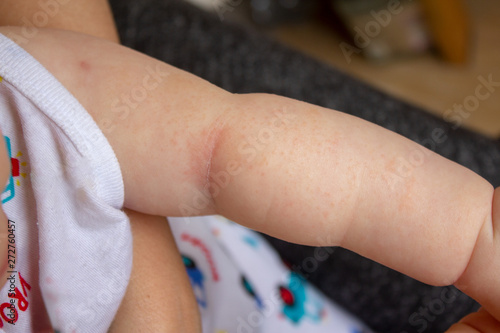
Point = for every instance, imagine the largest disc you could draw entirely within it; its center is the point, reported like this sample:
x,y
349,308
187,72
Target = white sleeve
x,y
73,241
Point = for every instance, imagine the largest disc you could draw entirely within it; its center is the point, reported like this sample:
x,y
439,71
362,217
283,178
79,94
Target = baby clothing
x,y
70,243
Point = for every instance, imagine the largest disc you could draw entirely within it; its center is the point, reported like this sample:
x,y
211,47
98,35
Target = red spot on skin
x,y
84,65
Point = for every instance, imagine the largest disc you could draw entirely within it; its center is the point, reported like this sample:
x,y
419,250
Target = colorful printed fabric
x,y
242,286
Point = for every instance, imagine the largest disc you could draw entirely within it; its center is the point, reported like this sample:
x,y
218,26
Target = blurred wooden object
x,y
425,81
449,26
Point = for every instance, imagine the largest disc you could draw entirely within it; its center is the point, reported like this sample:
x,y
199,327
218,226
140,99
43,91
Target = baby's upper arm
x,y
158,119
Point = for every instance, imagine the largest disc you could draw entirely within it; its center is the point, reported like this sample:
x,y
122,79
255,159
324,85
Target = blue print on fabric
x,y
197,281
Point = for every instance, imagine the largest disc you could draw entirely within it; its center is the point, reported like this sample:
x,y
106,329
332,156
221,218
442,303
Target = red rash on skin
x,y
205,147
85,65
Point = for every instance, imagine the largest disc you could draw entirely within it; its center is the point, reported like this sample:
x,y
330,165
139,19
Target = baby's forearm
x,y
315,176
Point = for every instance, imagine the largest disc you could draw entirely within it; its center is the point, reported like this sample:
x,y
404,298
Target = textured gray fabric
x,y
241,60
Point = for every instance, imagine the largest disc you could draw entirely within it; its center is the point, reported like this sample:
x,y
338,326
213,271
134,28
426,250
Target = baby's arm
x,y
287,168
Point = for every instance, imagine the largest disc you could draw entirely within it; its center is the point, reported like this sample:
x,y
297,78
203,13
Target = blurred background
x,y
439,55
